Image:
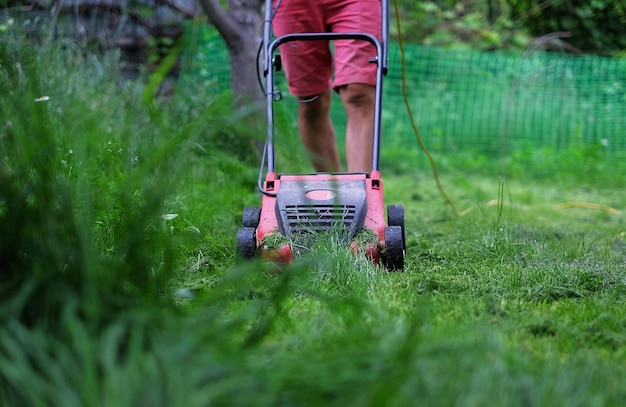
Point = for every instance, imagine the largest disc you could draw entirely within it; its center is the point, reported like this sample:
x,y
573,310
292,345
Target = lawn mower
x,y
297,208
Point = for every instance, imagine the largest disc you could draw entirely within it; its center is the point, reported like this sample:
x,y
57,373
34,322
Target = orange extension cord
x,y
410,113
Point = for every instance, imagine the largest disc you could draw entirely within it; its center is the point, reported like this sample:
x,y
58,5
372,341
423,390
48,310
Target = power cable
x,y
416,131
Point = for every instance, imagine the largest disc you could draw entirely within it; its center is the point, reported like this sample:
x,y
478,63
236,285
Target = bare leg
x,y
358,100
318,134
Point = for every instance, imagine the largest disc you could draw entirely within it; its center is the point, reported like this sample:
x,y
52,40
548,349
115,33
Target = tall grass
x,y
88,246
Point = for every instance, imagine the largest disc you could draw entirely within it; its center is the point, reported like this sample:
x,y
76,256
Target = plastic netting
x,y
490,103
494,103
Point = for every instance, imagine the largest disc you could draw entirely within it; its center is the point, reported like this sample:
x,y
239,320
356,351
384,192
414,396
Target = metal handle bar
x,y
381,70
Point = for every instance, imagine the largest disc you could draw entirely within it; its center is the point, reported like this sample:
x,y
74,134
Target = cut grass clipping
x,y
304,243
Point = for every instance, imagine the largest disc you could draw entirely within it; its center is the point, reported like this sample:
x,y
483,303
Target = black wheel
x,y
246,242
251,216
394,250
395,217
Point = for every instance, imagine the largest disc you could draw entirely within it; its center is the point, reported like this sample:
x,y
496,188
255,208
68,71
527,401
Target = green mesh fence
x,y
489,103
494,103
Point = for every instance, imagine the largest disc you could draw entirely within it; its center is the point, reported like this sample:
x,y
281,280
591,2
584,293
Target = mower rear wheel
x,y
395,217
394,249
251,216
246,242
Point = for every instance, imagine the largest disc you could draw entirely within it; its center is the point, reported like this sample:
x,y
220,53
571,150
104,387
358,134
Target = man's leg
x,y
358,100
317,132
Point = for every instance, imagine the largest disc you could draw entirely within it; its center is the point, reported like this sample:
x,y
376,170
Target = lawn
x,y
120,286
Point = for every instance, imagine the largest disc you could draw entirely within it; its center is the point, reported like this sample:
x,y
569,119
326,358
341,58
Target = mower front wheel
x,y
246,242
394,248
251,216
395,217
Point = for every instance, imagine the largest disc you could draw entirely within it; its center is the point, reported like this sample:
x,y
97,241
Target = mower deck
x,y
299,207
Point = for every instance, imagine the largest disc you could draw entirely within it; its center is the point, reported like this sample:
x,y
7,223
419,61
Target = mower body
x,y
303,206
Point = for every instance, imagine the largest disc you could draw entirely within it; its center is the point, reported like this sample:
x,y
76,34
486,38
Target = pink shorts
x,y
309,65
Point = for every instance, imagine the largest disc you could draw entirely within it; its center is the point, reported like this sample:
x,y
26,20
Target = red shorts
x,y
309,65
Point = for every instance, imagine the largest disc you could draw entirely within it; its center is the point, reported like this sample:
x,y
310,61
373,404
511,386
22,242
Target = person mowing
x,y
313,71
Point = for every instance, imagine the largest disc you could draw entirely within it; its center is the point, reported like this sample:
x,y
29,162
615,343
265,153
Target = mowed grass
x,y
120,286
517,301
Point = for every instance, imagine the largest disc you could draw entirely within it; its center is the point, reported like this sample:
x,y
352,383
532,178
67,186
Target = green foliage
x,y
592,27
76,180
96,231
205,78
461,24
571,26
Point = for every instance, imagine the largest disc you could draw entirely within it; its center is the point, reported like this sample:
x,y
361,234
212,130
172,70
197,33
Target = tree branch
x,y
222,21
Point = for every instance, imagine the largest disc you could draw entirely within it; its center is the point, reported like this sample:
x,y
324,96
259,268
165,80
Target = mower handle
x,y
381,69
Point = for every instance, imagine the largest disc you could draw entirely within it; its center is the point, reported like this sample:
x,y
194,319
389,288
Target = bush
x,y
592,27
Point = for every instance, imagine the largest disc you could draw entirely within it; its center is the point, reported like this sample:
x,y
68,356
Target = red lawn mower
x,y
296,208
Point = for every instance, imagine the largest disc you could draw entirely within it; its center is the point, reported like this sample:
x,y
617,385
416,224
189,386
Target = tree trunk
x,y
241,29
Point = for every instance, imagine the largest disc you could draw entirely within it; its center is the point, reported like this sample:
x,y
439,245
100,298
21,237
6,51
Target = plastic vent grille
x,y
315,218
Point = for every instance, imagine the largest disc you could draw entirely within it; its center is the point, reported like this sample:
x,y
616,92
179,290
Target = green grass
x,y
120,287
